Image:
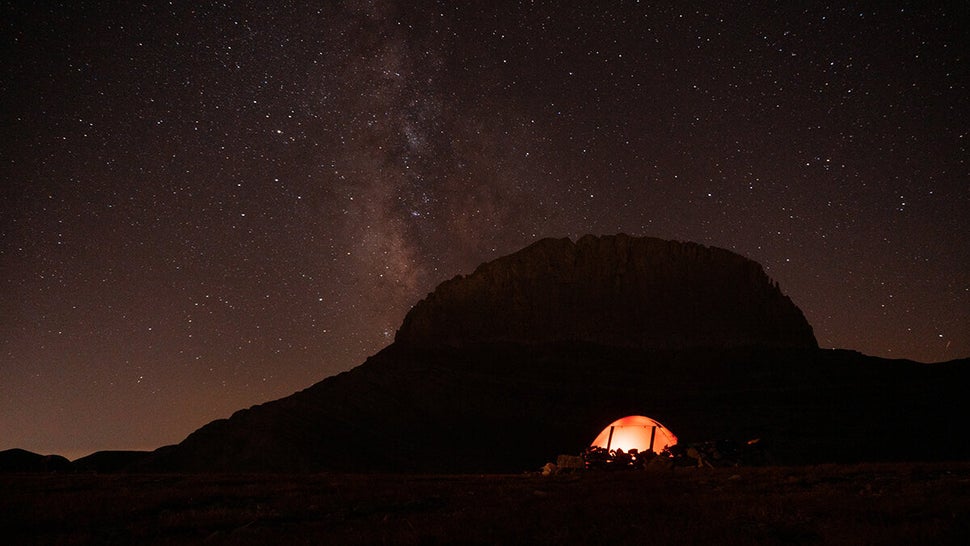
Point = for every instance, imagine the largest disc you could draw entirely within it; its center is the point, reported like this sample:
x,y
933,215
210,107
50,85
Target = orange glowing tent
x,y
635,432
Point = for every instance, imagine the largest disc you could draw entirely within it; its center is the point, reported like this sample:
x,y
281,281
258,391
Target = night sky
x,y
207,206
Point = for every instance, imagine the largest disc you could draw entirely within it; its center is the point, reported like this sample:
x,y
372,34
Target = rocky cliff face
x,y
617,290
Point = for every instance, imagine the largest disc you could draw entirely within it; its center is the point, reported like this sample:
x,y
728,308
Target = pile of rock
x,y
720,453
709,454
598,458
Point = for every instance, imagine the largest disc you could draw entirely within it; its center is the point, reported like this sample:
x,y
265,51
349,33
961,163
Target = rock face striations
x,y
618,291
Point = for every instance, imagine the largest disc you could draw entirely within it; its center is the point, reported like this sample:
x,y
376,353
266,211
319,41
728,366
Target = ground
x,y
831,504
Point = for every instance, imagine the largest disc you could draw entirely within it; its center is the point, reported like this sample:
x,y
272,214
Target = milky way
x,y
210,206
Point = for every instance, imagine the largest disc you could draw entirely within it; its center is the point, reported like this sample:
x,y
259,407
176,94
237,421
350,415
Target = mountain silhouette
x,y
617,291
533,353
20,460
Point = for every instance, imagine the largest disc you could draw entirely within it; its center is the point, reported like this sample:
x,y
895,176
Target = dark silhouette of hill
x,y
512,408
20,460
23,461
532,354
108,461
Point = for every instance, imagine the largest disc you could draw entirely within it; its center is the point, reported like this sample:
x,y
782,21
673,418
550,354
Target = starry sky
x,y
209,205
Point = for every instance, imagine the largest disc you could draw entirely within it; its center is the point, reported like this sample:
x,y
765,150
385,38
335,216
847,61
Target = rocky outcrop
x,y
617,291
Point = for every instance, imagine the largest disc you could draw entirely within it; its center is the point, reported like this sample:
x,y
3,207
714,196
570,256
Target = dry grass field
x,y
831,504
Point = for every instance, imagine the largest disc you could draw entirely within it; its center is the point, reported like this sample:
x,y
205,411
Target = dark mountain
x,y
532,354
20,460
108,461
617,291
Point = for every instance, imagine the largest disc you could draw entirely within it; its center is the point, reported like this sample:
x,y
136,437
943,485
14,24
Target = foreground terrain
x,y
903,503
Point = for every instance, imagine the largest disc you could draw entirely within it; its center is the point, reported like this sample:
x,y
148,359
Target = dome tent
x,y
635,432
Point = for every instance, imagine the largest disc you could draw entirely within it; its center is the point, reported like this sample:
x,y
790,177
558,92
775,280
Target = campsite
x,y
897,503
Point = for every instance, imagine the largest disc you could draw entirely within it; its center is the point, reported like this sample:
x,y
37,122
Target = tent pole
x,y
653,434
609,440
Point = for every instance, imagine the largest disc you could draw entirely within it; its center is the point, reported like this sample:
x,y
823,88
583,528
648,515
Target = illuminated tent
x,y
635,432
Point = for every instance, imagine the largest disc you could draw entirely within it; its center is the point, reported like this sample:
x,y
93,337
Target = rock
x,y
570,463
696,455
659,463
618,291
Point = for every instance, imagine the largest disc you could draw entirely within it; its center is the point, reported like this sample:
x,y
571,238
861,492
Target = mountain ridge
x,y
531,354
611,290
